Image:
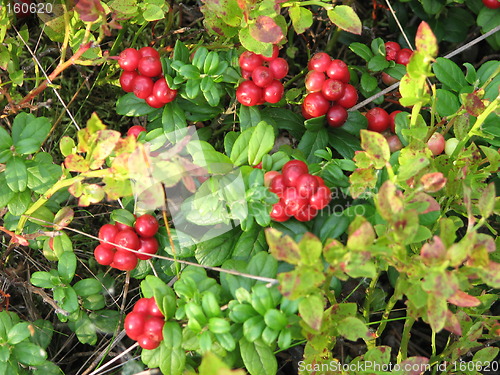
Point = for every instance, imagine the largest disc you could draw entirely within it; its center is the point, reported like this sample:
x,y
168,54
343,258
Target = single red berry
x,y
338,70
122,226
142,306
319,62
124,260
391,50
146,225
394,143
306,214
274,92
127,239
149,66
128,59
153,308
275,54
321,198
277,185
293,201
154,102
336,116
249,60
333,89
153,327
278,68
278,213
148,246
314,81
163,92
142,86
134,131
295,163
307,185
249,94
269,176
107,233
350,97
436,144
293,172
492,4
127,80
315,104
134,324
403,56
378,119
262,76
258,166
392,120
147,342
388,80
149,51
104,255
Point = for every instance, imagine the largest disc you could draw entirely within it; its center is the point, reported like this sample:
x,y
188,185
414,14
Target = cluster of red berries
x,y
116,240
394,52
329,91
301,194
262,75
144,323
140,69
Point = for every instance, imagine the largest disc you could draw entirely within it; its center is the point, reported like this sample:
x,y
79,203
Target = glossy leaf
x,y
345,18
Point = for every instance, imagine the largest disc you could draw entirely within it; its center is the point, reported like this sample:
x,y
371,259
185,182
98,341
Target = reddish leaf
x,y
266,30
15,238
473,104
463,299
432,204
433,182
282,247
63,217
89,10
76,163
434,250
425,40
414,366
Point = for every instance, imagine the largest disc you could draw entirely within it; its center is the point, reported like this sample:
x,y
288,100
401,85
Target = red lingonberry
x,y
104,255
249,94
319,62
273,92
149,51
315,104
107,233
249,60
403,56
154,102
333,89
133,131
129,59
378,119
314,81
127,80
338,70
336,116
142,86
262,76
146,225
350,97
149,66
278,68
163,92
391,50
392,120
274,55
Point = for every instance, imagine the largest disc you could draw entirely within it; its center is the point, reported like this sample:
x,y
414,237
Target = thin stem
x,y
403,349
396,296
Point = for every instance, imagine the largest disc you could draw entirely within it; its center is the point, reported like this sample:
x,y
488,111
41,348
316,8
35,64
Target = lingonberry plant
x,y
284,187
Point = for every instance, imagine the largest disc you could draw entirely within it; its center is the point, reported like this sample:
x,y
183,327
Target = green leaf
x,y
67,266
87,287
192,88
261,142
362,50
131,105
344,143
28,132
199,57
376,147
5,193
258,357
285,119
352,328
345,18
301,18
448,73
42,279
29,354
84,329
16,174
189,71
447,103
173,117
239,152
211,64
486,203
311,311
181,52
378,63
249,117
312,141
5,139
18,333
368,82
44,330
152,13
